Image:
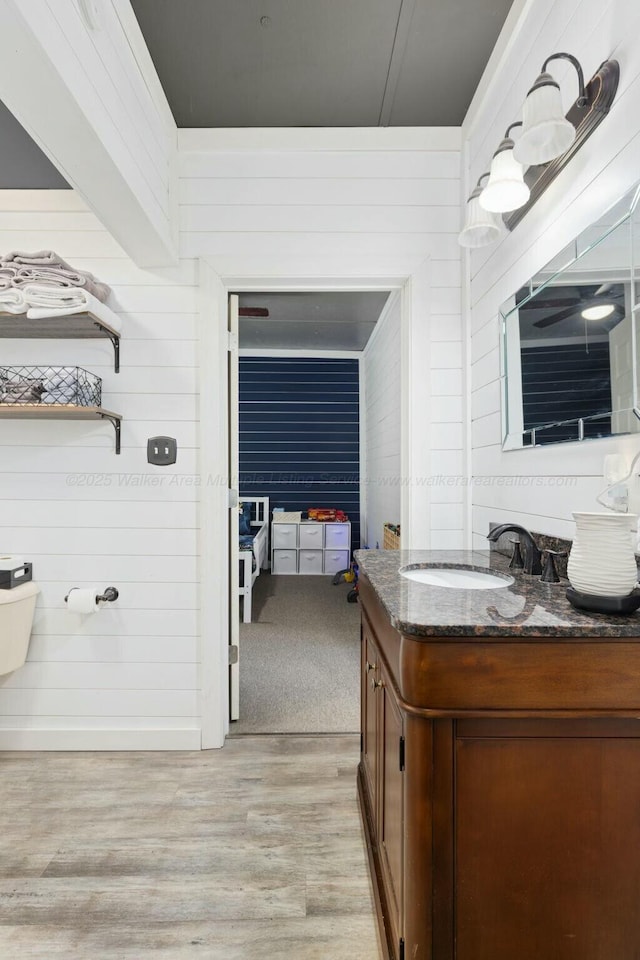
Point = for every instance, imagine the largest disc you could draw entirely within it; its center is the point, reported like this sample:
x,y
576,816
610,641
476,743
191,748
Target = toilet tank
x,y
17,607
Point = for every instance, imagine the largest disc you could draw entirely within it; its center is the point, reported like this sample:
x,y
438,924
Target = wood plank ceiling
x,y
315,63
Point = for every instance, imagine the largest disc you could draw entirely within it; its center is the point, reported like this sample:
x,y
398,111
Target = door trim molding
x,y
214,547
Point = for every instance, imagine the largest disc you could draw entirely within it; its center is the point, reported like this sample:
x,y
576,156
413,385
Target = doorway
x,y
415,297
303,430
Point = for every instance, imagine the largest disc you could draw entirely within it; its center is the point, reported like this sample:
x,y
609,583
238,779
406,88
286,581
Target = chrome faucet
x,y
532,556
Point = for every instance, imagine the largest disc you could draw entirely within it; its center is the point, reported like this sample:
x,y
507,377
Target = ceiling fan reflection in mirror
x,y
603,302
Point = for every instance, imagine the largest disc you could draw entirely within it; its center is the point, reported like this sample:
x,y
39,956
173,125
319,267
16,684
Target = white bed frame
x,y
259,552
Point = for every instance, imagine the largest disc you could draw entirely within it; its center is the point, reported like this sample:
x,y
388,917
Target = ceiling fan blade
x,y
537,302
555,318
253,312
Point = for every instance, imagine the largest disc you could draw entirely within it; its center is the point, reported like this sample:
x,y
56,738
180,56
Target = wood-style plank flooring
x,y
253,851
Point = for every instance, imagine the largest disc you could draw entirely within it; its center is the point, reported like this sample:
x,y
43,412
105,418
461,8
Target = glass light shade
x,y
598,312
546,133
505,189
481,227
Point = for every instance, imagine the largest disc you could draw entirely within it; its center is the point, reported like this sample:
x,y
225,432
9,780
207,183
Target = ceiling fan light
x,y
505,189
598,312
481,227
546,132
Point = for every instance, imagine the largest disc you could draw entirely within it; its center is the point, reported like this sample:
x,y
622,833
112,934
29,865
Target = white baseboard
x,y
33,739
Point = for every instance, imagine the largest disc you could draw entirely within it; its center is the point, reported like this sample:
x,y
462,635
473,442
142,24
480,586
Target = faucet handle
x,y
549,572
517,563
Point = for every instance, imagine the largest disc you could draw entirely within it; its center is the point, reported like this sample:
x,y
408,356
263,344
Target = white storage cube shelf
x,y
310,548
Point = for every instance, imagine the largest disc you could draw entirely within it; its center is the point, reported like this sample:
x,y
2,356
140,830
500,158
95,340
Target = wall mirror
x,y
569,339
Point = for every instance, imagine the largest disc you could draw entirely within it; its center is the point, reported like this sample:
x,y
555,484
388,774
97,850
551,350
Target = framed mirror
x,y
569,339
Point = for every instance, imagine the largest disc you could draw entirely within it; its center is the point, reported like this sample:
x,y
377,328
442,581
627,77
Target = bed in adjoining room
x,y
253,547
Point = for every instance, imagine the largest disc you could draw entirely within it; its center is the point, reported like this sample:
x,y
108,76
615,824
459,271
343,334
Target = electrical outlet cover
x,y
162,451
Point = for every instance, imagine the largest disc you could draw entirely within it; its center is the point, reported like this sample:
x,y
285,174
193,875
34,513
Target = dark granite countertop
x,y
526,608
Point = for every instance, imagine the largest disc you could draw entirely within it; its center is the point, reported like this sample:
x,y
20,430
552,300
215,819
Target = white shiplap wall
x,y
541,487
381,468
125,678
128,678
339,204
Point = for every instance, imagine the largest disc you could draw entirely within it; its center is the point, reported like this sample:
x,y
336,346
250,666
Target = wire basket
x,y
50,386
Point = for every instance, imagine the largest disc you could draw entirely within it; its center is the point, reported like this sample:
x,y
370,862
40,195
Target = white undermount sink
x,y
459,578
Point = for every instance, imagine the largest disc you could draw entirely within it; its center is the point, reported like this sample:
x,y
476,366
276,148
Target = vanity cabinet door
x,y
383,767
369,703
391,810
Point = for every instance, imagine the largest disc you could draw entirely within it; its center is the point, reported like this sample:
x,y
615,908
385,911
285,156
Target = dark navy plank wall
x,y
300,433
565,382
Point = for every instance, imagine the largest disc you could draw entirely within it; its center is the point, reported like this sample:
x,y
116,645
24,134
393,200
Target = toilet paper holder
x,y
110,594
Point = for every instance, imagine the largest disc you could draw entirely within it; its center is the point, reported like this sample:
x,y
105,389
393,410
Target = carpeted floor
x,y
299,659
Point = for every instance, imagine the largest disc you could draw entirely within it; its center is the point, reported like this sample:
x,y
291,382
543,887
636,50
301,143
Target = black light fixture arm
x,y
507,143
582,97
477,190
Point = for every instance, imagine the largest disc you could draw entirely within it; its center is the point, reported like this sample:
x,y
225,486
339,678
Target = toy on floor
x,y
350,575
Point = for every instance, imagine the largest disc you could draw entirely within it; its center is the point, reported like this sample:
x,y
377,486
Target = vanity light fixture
x,y
506,189
547,142
546,132
481,226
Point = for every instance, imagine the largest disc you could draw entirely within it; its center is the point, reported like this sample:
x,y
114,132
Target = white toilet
x,y
17,607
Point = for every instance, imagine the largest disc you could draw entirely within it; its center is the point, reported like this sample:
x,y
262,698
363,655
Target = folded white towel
x,y
57,383
41,275
62,395
53,377
7,273
53,266
55,298
12,301
47,302
41,258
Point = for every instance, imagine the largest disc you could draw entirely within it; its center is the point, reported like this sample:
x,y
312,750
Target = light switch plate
x,y
162,451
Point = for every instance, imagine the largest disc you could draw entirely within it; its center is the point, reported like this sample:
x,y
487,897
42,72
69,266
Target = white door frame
x,y
213,479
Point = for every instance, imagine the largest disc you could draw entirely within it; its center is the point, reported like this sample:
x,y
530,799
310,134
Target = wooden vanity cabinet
x,y
500,834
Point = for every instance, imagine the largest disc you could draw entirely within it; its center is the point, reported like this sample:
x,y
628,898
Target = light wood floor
x,y
253,851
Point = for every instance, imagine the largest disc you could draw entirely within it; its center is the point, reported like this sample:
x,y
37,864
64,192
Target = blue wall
x,y
564,382
299,433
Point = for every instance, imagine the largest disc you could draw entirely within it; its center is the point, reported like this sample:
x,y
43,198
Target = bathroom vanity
x,y
499,779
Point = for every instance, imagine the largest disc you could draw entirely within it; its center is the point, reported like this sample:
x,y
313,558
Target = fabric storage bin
x,y
291,516
311,535
285,561
285,534
336,535
335,560
310,561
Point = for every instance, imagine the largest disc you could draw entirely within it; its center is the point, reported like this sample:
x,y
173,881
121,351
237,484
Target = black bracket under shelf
x,y
117,426
115,340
